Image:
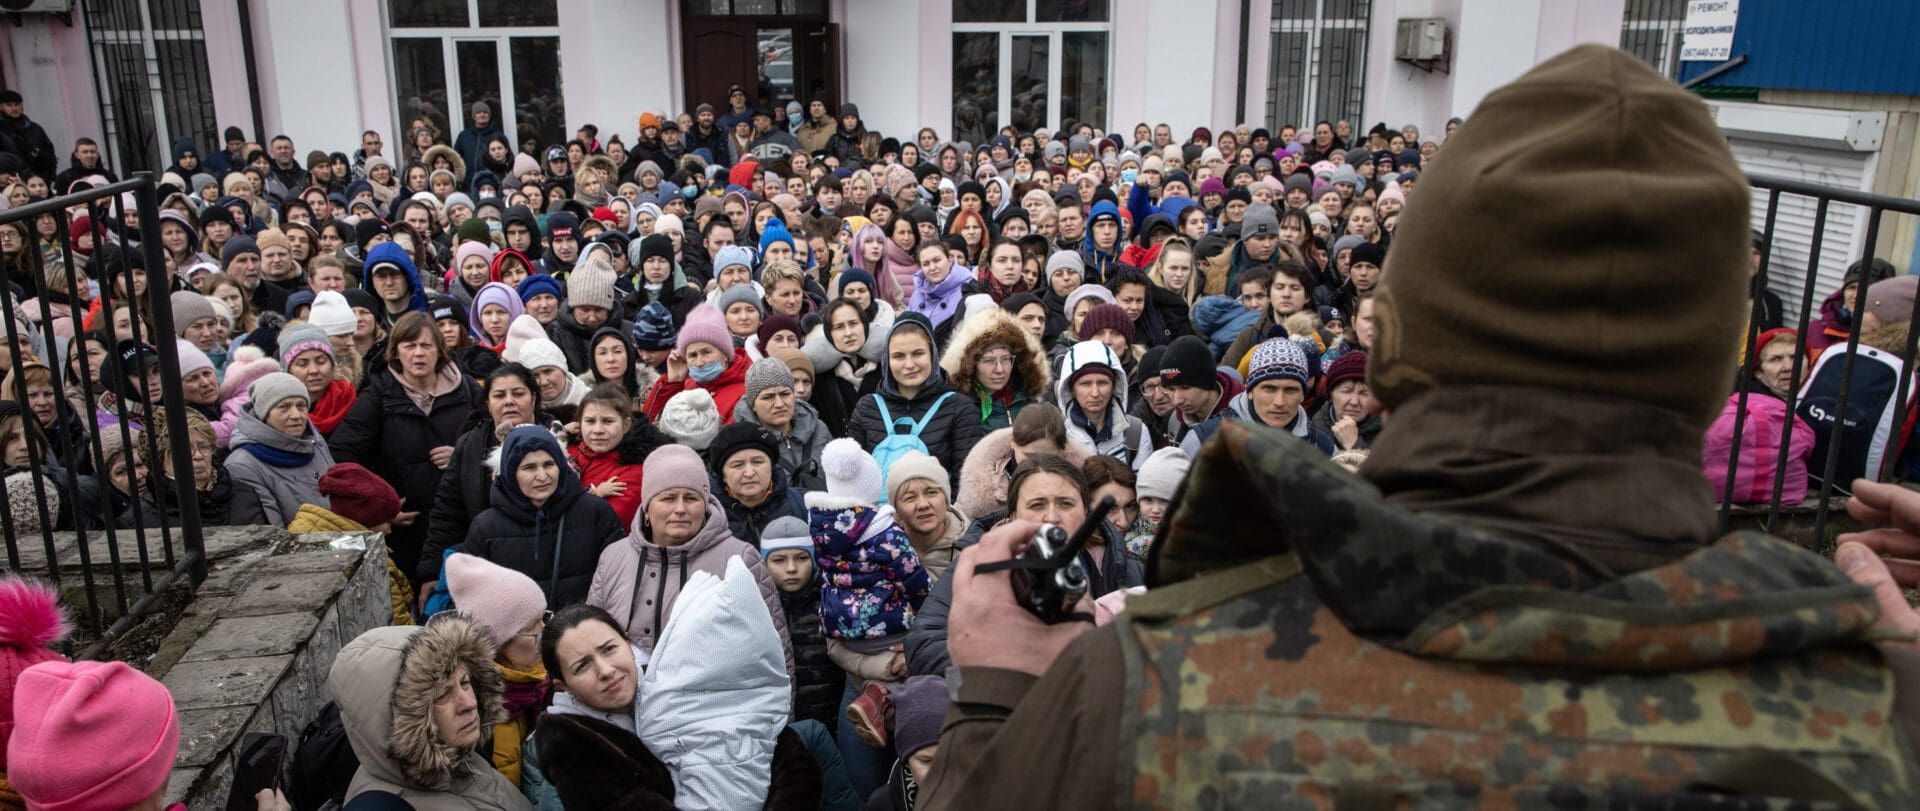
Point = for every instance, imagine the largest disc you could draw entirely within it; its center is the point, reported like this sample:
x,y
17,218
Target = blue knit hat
x,y
540,283
1277,359
775,231
653,328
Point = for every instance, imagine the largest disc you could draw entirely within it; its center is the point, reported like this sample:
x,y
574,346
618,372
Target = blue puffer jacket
x,y
1220,320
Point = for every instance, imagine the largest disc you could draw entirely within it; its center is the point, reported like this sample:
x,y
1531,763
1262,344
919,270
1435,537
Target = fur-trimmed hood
x,y
385,682
983,476
452,155
987,328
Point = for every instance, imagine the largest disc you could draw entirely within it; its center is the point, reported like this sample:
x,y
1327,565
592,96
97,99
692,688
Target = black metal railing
x,y
70,460
1805,320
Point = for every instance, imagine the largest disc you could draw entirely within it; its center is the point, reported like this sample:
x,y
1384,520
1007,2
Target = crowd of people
x,y
676,444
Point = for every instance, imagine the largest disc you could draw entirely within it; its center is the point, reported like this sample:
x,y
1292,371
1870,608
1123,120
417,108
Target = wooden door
x,y
718,52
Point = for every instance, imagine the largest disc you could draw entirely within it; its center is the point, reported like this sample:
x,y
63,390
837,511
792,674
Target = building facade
x,y
138,75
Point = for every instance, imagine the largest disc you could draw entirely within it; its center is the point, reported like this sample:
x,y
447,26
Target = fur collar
x,y
986,328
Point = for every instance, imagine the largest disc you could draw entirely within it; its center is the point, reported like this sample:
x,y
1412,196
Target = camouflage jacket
x,y
1387,658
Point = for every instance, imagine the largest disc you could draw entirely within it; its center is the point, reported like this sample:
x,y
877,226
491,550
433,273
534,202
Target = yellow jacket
x,y
312,518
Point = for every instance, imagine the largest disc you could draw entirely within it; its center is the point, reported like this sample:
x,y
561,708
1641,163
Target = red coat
x,y
600,467
727,389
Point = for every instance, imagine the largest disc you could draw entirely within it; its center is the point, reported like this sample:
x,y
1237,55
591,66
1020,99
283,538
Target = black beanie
x,y
365,230
923,171
1188,362
972,187
659,245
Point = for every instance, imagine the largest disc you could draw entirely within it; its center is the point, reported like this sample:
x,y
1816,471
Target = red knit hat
x,y
357,495
1770,335
1350,366
30,620
1106,316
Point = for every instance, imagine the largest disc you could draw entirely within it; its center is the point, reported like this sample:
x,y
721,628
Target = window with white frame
x,y
1318,64
448,54
150,70
1029,64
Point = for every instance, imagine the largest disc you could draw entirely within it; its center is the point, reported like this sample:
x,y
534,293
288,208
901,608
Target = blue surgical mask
x,y
708,372
1128,175
793,118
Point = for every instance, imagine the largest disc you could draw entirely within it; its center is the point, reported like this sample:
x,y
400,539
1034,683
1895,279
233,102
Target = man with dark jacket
x,y
25,139
472,141
87,162
706,135
1530,565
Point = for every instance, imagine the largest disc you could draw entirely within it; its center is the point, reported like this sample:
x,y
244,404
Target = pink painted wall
x,y
46,60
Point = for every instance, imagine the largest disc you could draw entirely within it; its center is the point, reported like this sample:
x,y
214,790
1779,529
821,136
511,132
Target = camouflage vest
x,y
1244,690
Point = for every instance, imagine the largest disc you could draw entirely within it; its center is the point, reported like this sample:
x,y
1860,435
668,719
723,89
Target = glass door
x,y
1031,82
477,63
539,110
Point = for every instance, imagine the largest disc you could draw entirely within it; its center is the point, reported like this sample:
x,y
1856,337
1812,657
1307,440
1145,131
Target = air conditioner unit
x,y
36,6
1420,39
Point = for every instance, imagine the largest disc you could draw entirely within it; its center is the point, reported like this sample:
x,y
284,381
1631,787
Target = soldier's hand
x,y
986,627
1896,510
1867,569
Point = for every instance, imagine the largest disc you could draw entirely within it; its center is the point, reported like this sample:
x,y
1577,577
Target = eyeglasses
x,y
997,361
545,617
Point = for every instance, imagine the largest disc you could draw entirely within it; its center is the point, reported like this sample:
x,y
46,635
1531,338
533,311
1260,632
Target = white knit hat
x,y
495,597
851,473
523,329
691,418
332,313
785,532
1162,473
541,352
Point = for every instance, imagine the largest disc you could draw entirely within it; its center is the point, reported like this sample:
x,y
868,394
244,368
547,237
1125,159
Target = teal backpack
x,y
898,444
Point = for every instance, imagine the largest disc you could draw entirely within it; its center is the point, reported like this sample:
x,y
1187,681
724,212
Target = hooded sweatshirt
x,y
638,581
1119,436
392,253
385,682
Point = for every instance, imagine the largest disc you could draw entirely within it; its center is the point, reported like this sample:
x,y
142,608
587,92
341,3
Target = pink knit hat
x,y
522,329
495,597
705,325
30,620
90,735
669,467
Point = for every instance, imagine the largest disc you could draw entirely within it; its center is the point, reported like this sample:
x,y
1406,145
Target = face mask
x,y
793,118
707,373
1846,314
1127,175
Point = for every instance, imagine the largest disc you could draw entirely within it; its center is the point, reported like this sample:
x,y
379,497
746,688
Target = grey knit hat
x,y
189,307
1259,221
1066,259
739,293
270,389
591,285
764,374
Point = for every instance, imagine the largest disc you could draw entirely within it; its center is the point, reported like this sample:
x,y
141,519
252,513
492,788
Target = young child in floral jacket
x,y
871,583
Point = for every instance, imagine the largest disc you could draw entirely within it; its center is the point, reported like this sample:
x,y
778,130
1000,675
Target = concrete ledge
x,y
252,654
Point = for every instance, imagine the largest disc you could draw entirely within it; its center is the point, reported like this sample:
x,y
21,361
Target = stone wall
x,y
252,652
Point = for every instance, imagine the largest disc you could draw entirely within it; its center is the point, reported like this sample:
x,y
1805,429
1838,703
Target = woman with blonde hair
x,y
1173,269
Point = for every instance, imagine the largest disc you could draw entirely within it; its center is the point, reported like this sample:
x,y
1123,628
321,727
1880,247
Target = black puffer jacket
x,y
952,432
391,436
817,681
557,543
